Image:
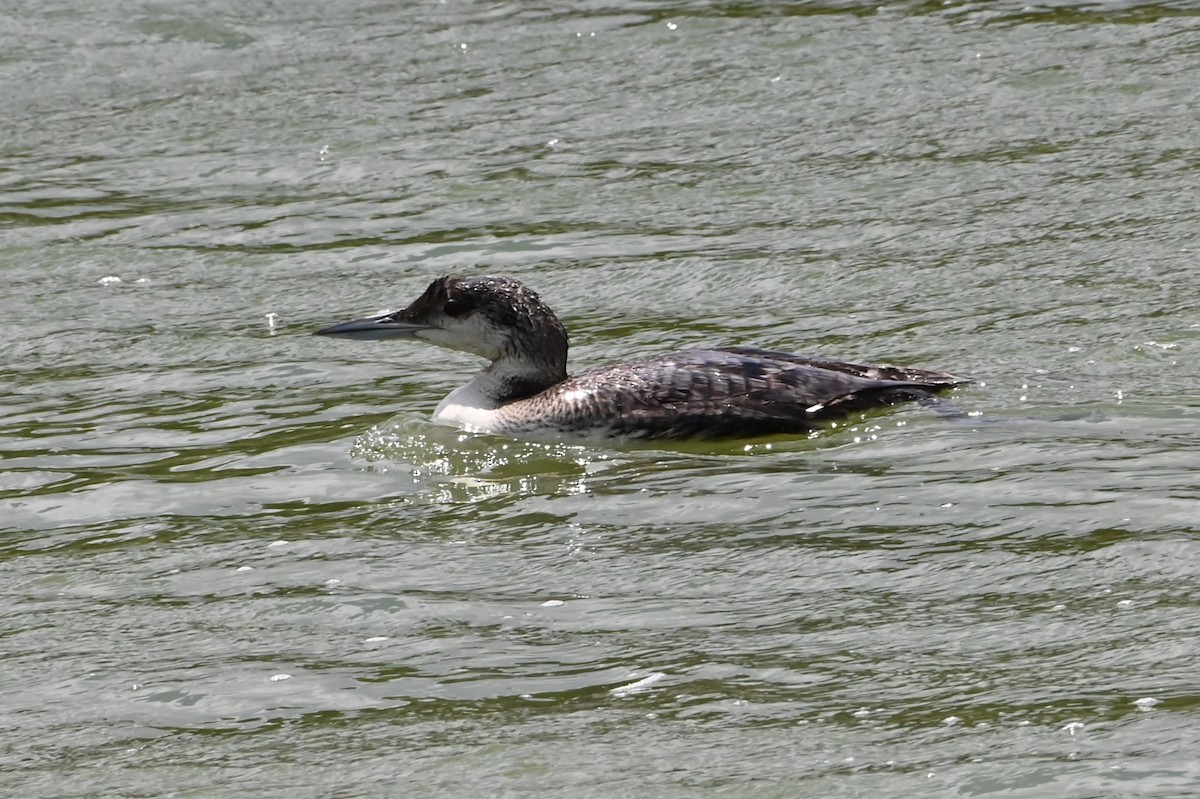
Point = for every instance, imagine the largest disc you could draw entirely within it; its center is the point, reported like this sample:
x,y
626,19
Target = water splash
x,y
453,465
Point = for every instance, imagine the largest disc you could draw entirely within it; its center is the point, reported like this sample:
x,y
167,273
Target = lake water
x,y
238,561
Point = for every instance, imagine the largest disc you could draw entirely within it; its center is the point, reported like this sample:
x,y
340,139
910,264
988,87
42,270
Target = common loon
x,y
723,392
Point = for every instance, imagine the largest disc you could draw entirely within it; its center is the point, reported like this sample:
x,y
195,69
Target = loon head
x,y
497,318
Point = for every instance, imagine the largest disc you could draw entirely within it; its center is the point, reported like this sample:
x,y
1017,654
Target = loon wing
x,y
729,393
881,371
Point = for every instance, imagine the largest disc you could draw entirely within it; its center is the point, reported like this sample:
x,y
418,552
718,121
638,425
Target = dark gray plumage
x,y
724,392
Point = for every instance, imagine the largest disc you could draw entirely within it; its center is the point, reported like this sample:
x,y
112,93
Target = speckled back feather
x,y
735,392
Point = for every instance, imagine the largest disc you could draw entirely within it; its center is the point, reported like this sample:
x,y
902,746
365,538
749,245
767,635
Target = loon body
x,y
723,392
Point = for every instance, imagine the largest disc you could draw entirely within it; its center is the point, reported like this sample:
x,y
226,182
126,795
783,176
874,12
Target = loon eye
x,y
458,307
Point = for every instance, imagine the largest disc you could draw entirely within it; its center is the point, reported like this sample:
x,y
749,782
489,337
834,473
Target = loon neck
x,y
510,379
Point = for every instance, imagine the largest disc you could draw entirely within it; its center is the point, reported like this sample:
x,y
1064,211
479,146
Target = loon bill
x,y
723,392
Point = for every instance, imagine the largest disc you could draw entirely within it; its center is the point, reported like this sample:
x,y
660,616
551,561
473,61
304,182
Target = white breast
x,y
468,408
